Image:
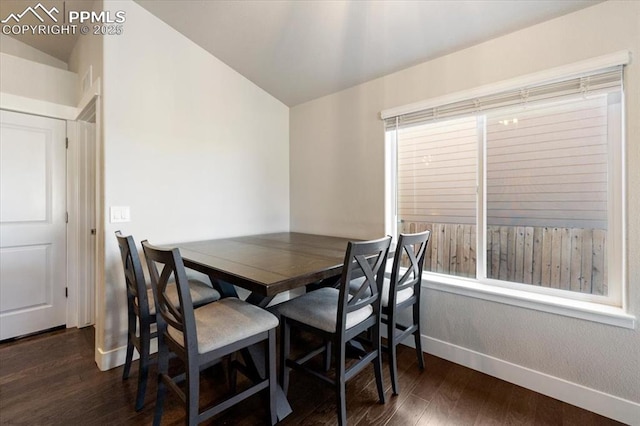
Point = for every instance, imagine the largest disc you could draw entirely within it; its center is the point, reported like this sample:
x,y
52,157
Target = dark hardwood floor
x,y
52,379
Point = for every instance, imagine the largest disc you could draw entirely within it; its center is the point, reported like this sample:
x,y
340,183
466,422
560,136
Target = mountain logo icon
x,y
34,11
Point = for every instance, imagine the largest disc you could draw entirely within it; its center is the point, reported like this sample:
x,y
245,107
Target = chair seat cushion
x,y
403,295
201,294
227,321
319,309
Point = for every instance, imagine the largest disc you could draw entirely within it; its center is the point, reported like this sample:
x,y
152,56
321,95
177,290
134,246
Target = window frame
x,y
610,309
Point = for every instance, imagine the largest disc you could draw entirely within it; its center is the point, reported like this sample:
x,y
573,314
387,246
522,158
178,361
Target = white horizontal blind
x,y
599,82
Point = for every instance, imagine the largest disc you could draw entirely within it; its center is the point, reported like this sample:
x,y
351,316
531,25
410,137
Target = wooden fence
x,y
566,258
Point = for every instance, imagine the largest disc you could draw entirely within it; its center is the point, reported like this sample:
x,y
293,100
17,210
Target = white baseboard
x,y
610,406
106,360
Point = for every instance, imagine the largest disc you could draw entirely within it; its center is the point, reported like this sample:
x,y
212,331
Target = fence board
x,y
472,251
547,247
598,262
495,252
556,257
576,260
441,248
504,253
565,259
537,256
511,253
427,256
519,251
587,263
469,269
453,248
527,261
569,258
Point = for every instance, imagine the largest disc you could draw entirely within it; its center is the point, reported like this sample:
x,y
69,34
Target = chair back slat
x,y
134,276
362,296
166,266
366,260
413,248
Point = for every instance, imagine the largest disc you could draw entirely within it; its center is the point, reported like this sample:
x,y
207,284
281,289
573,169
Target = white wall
x,y
196,150
87,53
14,47
35,88
337,164
337,187
34,80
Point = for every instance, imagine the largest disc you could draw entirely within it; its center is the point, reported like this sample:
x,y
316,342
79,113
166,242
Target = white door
x,y
32,224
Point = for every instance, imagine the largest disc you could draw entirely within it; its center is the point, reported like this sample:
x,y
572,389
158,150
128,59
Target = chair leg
x,y
377,362
192,392
417,336
270,362
143,366
327,355
393,359
233,373
132,330
341,402
163,370
285,334
341,391
128,359
393,369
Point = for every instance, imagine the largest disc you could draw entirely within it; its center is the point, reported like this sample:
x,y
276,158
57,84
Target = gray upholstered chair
x,y
400,292
202,337
142,311
338,317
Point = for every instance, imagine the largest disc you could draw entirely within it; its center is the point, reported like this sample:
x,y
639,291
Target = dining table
x,y
266,265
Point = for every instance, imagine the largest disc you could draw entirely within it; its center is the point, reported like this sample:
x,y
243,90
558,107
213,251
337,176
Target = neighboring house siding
x,y
437,172
547,169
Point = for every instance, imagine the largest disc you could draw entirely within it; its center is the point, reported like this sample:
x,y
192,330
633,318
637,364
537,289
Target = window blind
x,y
602,81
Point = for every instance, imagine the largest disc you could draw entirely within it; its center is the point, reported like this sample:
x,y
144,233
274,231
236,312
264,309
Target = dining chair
x,y
338,317
142,311
400,292
205,336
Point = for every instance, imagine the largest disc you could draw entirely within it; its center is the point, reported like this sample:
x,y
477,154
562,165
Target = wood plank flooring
x,y
52,379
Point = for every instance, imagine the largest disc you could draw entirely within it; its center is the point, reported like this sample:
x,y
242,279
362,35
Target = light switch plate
x,y
120,214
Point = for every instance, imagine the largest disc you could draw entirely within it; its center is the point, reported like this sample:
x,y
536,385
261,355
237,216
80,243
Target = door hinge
x,y
66,217
66,143
66,292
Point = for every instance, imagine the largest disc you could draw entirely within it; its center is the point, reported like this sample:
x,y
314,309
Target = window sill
x,y
552,304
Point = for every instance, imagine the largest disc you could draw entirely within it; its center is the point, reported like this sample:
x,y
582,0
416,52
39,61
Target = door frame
x,y
81,276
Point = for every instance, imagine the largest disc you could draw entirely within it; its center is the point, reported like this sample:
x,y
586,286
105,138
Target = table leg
x,y
254,360
283,407
258,300
224,288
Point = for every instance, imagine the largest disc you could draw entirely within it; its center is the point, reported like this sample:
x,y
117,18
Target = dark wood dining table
x,y
266,265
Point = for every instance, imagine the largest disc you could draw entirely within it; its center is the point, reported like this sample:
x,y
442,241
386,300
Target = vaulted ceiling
x,y
301,50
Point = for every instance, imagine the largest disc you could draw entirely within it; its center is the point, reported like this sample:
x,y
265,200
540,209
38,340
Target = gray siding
x,y
547,169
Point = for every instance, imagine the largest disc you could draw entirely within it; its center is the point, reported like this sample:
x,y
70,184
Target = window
x,y
521,189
